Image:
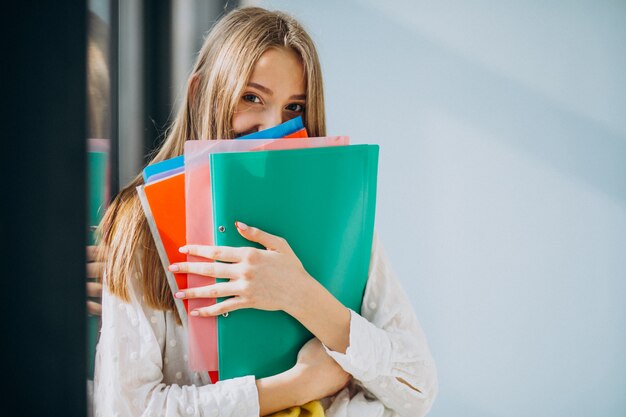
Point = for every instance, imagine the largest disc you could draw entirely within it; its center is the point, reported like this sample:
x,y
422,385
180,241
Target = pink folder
x,y
203,354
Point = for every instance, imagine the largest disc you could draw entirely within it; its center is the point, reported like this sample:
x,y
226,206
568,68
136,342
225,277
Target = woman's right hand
x,y
320,376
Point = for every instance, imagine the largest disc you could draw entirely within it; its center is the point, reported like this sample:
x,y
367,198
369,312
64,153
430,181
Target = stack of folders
x,y
317,193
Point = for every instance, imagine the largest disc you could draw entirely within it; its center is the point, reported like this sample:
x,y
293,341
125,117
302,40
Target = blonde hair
x,y
219,77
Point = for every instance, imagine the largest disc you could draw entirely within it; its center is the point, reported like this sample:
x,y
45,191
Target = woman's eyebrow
x,y
298,97
261,87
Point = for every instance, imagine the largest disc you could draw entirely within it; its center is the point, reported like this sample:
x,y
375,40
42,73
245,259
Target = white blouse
x,y
142,370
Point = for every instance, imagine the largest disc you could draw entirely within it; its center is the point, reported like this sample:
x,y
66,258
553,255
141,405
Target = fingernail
x,y
174,268
194,313
179,294
241,225
183,249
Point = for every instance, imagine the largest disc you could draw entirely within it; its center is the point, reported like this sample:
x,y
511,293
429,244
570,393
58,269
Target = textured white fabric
x,y
393,370
141,361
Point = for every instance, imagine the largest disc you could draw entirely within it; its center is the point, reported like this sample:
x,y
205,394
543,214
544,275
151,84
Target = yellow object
x,y
312,409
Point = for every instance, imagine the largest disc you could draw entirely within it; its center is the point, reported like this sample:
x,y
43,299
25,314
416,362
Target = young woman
x,y
256,69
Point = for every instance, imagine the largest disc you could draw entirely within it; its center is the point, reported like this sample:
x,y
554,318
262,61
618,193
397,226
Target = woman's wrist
x,y
322,314
298,299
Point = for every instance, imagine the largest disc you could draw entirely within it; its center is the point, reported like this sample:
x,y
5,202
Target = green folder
x,y
323,201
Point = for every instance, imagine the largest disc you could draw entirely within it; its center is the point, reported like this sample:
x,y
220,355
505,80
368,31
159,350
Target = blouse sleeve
x,y
129,369
388,354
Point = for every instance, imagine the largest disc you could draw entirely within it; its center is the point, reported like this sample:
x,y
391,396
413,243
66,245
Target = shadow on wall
x,y
437,76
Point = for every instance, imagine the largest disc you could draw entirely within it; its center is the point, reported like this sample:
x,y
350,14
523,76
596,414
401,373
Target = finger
x,y
209,269
268,240
94,289
221,289
92,252
226,306
217,253
94,269
93,308
95,253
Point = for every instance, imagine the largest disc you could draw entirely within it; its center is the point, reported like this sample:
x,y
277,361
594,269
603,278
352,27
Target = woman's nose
x,y
271,119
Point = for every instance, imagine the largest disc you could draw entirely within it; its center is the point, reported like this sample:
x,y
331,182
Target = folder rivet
x,y
221,229
224,314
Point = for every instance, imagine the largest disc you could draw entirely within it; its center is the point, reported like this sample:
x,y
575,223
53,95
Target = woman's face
x,y
275,93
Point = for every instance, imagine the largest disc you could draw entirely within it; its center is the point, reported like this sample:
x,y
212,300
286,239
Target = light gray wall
x,y
502,186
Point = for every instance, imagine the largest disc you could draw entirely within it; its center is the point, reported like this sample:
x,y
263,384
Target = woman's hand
x,y
272,279
94,279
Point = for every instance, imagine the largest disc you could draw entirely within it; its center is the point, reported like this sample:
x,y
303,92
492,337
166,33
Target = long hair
x,y
219,77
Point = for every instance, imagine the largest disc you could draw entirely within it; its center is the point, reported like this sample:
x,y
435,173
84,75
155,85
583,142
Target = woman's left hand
x,y
271,279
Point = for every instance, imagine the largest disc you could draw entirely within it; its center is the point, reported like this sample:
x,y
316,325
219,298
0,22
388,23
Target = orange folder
x,y
302,133
166,203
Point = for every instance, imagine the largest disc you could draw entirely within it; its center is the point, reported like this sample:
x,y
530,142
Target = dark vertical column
x,y
157,70
43,200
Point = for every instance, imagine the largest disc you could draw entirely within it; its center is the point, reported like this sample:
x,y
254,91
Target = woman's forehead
x,y
280,68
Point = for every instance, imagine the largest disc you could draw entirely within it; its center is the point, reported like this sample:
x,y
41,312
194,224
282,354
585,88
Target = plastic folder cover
x,y
322,201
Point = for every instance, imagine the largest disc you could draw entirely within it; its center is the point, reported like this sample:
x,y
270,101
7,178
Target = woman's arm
x,y
384,349
316,375
388,353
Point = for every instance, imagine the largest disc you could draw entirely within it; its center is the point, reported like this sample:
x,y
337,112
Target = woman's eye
x,y
251,98
295,107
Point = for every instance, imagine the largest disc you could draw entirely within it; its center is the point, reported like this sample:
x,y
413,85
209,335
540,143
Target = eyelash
x,y
253,98
301,107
